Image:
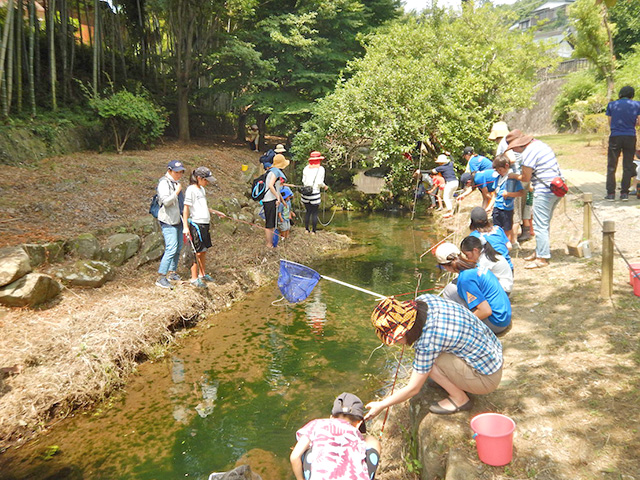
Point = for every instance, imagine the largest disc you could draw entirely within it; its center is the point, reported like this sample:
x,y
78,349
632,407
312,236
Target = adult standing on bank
x,y
624,116
452,347
445,167
272,198
171,200
312,181
254,138
540,167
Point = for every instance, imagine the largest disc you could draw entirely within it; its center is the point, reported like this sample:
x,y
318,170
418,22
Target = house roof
x,y
553,5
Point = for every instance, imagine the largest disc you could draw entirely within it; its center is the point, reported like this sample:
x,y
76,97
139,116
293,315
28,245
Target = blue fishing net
x,y
296,282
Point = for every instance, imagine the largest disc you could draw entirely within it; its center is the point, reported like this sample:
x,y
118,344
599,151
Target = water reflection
x,y
316,312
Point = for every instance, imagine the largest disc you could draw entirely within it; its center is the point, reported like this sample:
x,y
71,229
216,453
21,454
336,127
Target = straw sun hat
x,y
499,130
279,161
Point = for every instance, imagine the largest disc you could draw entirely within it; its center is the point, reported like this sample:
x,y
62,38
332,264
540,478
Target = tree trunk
x,y
261,121
52,54
64,43
32,43
612,69
7,91
241,126
96,45
143,46
19,59
5,39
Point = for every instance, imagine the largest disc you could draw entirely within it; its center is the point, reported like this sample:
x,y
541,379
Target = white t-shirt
x,y
196,199
540,157
500,269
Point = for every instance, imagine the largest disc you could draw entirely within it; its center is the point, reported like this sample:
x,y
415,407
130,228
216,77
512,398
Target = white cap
x,y
443,251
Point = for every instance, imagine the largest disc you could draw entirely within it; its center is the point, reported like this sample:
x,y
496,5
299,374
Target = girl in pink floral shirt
x,y
335,448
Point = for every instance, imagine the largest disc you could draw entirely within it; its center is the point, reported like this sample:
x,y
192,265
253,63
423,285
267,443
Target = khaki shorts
x,y
465,377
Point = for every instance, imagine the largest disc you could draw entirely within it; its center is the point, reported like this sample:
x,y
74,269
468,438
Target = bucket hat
x,y
176,166
279,148
315,157
393,319
286,192
442,159
499,130
280,162
444,251
516,138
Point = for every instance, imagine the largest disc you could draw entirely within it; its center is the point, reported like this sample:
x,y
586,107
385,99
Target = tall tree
x,y
51,25
593,38
5,38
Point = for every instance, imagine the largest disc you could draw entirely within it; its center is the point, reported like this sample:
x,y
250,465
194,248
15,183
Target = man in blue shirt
x,y
624,115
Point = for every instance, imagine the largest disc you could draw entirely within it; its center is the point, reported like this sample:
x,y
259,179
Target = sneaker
x,y
515,246
162,282
524,236
207,278
198,283
624,197
174,277
610,196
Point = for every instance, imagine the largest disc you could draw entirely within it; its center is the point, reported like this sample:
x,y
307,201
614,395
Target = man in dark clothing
x,y
624,115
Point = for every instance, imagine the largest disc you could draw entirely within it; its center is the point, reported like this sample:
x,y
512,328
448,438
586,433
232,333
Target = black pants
x,y
311,215
627,145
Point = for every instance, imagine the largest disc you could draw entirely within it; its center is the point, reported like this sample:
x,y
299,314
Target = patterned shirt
x,y
451,328
338,450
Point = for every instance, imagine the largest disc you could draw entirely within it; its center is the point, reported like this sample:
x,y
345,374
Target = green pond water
x,y
240,384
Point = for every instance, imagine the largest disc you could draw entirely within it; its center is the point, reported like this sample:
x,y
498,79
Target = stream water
x,y
239,385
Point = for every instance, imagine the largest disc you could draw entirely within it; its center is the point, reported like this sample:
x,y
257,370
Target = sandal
x,y
539,263
439,410
530,258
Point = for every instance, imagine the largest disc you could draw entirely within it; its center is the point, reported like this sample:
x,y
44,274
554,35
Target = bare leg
x,y
268,233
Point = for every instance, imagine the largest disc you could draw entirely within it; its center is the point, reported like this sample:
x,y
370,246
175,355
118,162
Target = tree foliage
x,y
626,16
443,78
130,116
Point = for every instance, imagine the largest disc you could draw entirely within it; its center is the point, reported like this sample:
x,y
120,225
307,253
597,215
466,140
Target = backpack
x,y
154,207
267,157
259,187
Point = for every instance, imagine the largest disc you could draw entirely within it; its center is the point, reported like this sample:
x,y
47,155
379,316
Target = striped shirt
x,y
313,177
539,157
452,328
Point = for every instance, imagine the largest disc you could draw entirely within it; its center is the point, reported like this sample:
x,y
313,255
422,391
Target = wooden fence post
x,y
587,198
606,285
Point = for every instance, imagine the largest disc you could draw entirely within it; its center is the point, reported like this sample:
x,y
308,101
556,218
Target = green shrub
x,y
130,116
595,123
575,100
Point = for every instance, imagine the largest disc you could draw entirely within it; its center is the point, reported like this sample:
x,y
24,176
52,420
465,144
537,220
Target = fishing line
x,y
393,386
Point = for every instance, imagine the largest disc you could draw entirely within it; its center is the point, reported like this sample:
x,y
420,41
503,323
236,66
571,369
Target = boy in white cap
x,y
335,447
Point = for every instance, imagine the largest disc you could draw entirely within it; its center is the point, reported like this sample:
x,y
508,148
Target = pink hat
x,y
315,157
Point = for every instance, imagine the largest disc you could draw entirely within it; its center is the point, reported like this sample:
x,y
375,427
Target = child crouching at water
x,y
335,447
195,223
285,213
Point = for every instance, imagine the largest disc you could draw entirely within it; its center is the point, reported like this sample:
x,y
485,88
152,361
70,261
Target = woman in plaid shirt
x,y
452,347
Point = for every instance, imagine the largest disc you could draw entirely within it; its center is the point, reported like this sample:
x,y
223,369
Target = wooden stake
x,y
606,285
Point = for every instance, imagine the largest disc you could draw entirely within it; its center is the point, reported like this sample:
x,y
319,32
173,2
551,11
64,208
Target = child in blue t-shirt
x,y
506,190
285,213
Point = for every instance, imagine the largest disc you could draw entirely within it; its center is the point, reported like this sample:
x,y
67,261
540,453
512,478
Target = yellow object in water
x,y
245,168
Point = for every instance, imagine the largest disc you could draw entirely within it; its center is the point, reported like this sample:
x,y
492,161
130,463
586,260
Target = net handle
x,y
379,297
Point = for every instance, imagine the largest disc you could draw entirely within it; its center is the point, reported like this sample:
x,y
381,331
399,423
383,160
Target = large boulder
x,y
30,290
54,252
120,248
152,248
86,273
37,255
84,246
14,264
145,225
243,472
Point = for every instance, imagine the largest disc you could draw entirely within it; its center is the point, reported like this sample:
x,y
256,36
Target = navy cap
x,y
467,151
176,166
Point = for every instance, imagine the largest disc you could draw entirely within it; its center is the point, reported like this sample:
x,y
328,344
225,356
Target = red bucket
x,y
494,438
633,267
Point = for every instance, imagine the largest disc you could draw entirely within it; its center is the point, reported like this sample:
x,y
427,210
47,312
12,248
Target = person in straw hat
x,y
312,181
445,167
540,167
452,347
272,198
280,148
